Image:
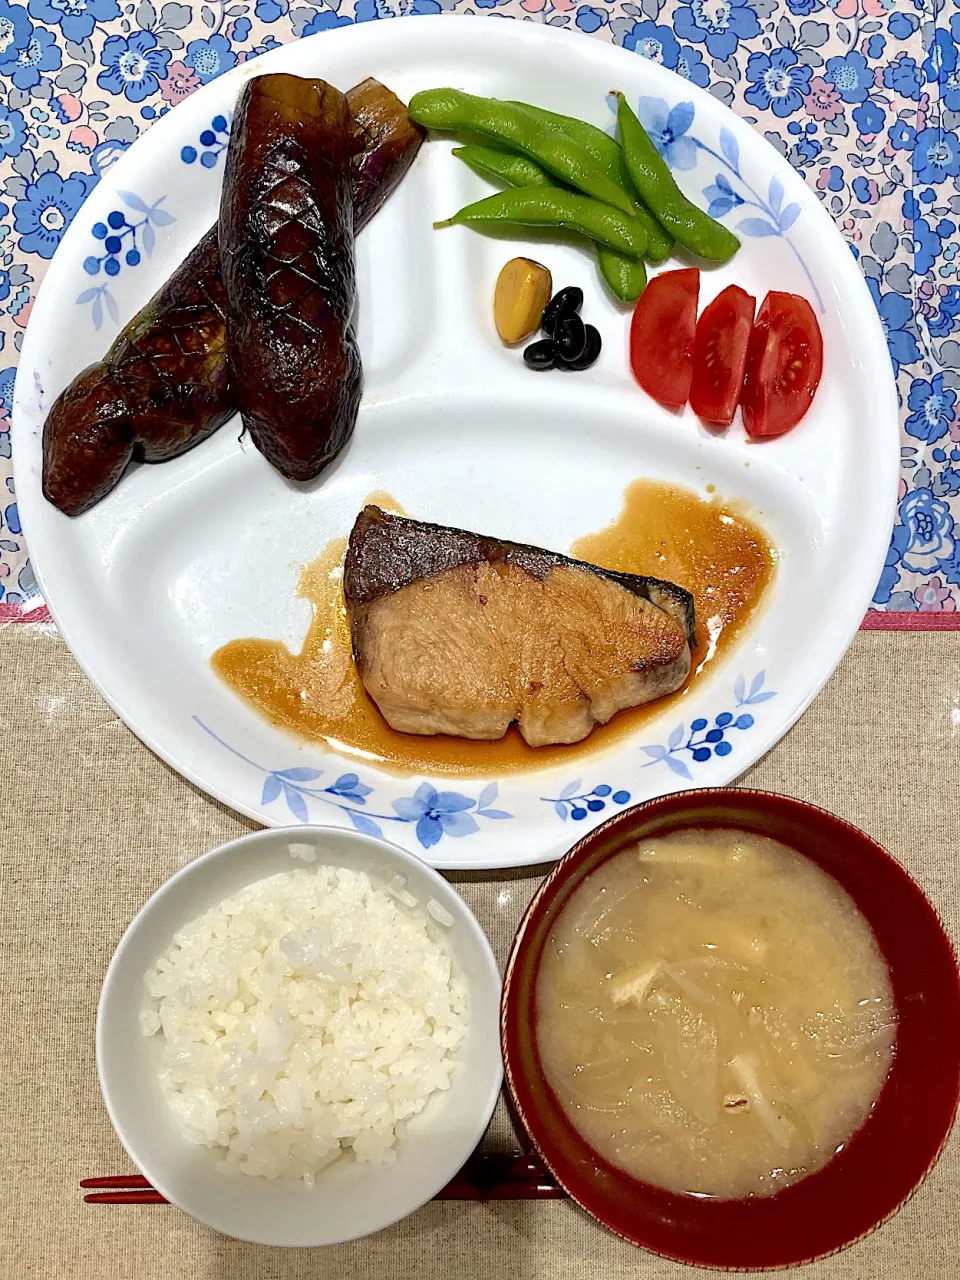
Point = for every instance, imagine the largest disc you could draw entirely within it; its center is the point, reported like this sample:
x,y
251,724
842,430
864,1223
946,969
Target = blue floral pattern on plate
x,y
435,813
576,804
669,127
213,143
124,243
704,740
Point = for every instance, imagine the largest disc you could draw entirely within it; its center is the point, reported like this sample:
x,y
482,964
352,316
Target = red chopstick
x,y
486,1177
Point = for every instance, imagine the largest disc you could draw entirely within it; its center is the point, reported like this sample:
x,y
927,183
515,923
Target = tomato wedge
x,y
720,354
784,363
661,336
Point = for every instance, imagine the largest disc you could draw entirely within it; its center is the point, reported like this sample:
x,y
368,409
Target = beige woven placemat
x,y
92,823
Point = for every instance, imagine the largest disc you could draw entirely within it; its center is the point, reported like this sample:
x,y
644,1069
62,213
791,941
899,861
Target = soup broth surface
x,y
714,1014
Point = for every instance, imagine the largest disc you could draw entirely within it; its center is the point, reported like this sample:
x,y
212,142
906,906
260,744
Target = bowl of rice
x,y
297,1037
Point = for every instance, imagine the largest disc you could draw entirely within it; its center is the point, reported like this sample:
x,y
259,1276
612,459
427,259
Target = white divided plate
x,y
185,556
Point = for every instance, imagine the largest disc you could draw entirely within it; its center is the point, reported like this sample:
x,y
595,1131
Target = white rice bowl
x,y
308,1015
351,1196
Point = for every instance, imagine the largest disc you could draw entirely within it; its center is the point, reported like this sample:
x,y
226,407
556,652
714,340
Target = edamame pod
x,y
553,207
692,227
608,152
625,277
458,112
503,166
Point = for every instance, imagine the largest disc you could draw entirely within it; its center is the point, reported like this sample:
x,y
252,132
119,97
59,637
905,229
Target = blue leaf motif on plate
x,y
775,194
364,824
133,200
271,789
788,217
755,695
298,775
757,227
704,739
160,217
678,767
487,795
730,147
296,804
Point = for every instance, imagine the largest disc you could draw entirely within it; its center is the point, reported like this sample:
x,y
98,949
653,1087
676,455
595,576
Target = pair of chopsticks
x,y
486,1177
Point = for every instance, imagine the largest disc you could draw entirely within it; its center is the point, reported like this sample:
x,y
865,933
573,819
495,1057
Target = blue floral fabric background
x,y
861,96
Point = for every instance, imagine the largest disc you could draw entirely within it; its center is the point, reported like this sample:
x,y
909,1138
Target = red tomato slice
x,y
784,363
661,336
720,354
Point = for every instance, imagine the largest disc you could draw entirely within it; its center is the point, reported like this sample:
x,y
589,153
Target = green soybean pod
x,y
625,277
503,166
553,207
692,227
458,112
609,153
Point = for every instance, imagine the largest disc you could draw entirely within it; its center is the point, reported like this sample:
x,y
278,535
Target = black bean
x,y
540,355
571,338
567,302
590,351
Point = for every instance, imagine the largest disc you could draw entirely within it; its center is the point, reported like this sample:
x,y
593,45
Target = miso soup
x,y
714,1014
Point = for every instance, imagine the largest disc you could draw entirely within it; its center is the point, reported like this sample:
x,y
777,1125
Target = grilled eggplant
x,y
165,378
461,634
163,386
286,254
88,440
385,145
176,371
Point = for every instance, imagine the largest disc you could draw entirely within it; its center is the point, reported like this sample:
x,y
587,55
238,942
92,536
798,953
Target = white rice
x,y
439,913
306,852
310,1014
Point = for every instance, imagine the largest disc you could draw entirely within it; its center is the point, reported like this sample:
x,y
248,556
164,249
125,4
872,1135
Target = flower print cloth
x,y
861,96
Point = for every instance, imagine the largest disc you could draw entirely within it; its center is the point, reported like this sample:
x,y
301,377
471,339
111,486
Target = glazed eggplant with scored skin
x,y
176,372
89,440
286,251
163,386
385,145
167,372
461,634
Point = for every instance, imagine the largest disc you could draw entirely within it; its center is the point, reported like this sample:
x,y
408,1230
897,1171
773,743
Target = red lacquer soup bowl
x,y
880,1165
